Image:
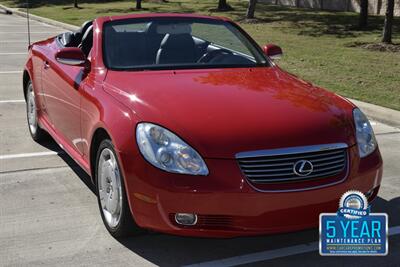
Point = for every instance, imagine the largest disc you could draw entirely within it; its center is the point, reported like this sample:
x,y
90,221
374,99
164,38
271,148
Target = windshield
x,y
177,43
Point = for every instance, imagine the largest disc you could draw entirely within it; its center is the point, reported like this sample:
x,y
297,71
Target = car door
x,y
61,91
38,57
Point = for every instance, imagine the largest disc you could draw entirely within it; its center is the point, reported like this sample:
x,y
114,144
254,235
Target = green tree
x,y
223,5
363,19
251,9
388,26
138,4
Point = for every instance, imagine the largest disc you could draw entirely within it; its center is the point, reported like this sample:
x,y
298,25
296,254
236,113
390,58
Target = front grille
x,y
212,221
277,165
207,222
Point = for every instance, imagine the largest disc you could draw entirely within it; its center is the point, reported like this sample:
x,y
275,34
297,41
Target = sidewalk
x,y
378,113
18,12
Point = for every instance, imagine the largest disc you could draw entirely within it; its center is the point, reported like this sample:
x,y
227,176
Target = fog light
x,y
186,218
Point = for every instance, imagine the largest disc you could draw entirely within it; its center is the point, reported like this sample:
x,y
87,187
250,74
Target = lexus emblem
x,y
303,168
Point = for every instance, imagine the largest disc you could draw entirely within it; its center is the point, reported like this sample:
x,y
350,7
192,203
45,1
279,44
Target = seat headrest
x,y
176,41
87,33
85,26
87,41
151,27
179,28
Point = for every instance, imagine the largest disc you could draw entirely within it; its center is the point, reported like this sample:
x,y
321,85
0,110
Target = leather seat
x,y
75,38
176,48
153,40
131,49
87,41
85,26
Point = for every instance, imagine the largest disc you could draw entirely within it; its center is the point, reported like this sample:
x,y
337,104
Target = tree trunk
x,y
363,21
138,4
76,3
387,28
251,9
222,5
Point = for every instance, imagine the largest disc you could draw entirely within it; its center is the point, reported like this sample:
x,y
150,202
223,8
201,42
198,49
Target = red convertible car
x,y
188,127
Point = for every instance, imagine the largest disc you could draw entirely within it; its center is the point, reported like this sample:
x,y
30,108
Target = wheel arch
x,y
99,135
27,73
26,77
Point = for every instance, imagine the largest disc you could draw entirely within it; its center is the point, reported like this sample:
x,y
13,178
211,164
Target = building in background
x,y
376,7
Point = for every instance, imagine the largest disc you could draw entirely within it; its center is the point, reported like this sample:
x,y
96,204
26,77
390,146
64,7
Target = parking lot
x,y
49,214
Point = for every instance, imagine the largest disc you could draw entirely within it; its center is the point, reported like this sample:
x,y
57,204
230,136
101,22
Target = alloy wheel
x,y
31,110
109,186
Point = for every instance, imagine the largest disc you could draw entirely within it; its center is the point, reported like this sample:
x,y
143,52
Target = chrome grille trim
x,y
292,179
324,159
280,159
290,150
276,165
328,163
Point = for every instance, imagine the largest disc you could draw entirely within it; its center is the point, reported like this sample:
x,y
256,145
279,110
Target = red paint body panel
x,y
219,112
235,110
226,193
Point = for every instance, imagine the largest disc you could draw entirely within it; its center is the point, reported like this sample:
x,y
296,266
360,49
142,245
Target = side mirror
x,y
72,56
274,52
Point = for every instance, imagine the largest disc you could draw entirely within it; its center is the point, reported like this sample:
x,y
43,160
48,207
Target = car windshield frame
x,y
248,42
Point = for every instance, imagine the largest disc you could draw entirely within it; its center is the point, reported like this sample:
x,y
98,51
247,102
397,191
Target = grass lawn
x,y
317,44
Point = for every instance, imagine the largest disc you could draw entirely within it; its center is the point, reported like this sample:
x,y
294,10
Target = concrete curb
x,y
38,18
378,113
8,11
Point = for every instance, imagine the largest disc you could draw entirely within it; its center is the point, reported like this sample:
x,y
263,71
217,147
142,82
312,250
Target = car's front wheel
x,y
111,193
37,133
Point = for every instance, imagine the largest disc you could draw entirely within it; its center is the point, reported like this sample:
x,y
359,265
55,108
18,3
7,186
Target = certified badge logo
x,y
353,230
353,205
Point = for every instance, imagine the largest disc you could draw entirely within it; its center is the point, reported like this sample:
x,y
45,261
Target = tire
x,y
111,194
37,133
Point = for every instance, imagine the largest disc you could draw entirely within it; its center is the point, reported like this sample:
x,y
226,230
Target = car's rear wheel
x,y
111,193
37,133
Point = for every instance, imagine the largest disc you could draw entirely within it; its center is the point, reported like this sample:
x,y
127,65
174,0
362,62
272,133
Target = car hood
x,y
224,112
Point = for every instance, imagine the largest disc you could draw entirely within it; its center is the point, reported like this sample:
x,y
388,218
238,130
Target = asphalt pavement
x,y
49,214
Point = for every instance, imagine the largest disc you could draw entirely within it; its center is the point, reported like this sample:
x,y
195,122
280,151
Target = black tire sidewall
x,y
126,223
40,134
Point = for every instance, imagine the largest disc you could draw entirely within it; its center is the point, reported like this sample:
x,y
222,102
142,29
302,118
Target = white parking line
x,y
12,41
18,53
23,25
55,32
10,71
30,155
12,101
270,254
395,230
260,256
13,25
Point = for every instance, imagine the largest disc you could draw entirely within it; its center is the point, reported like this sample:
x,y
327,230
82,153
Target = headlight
x,y
365,134
166,151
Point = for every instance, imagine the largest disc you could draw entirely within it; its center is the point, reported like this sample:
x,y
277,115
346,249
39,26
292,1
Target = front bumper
x,y
228,206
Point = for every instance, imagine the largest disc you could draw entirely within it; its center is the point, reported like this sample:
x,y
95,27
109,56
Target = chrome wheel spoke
x,y
109,183
31,110
102,195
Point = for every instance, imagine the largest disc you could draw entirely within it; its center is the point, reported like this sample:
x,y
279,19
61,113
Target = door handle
x,y
46,65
